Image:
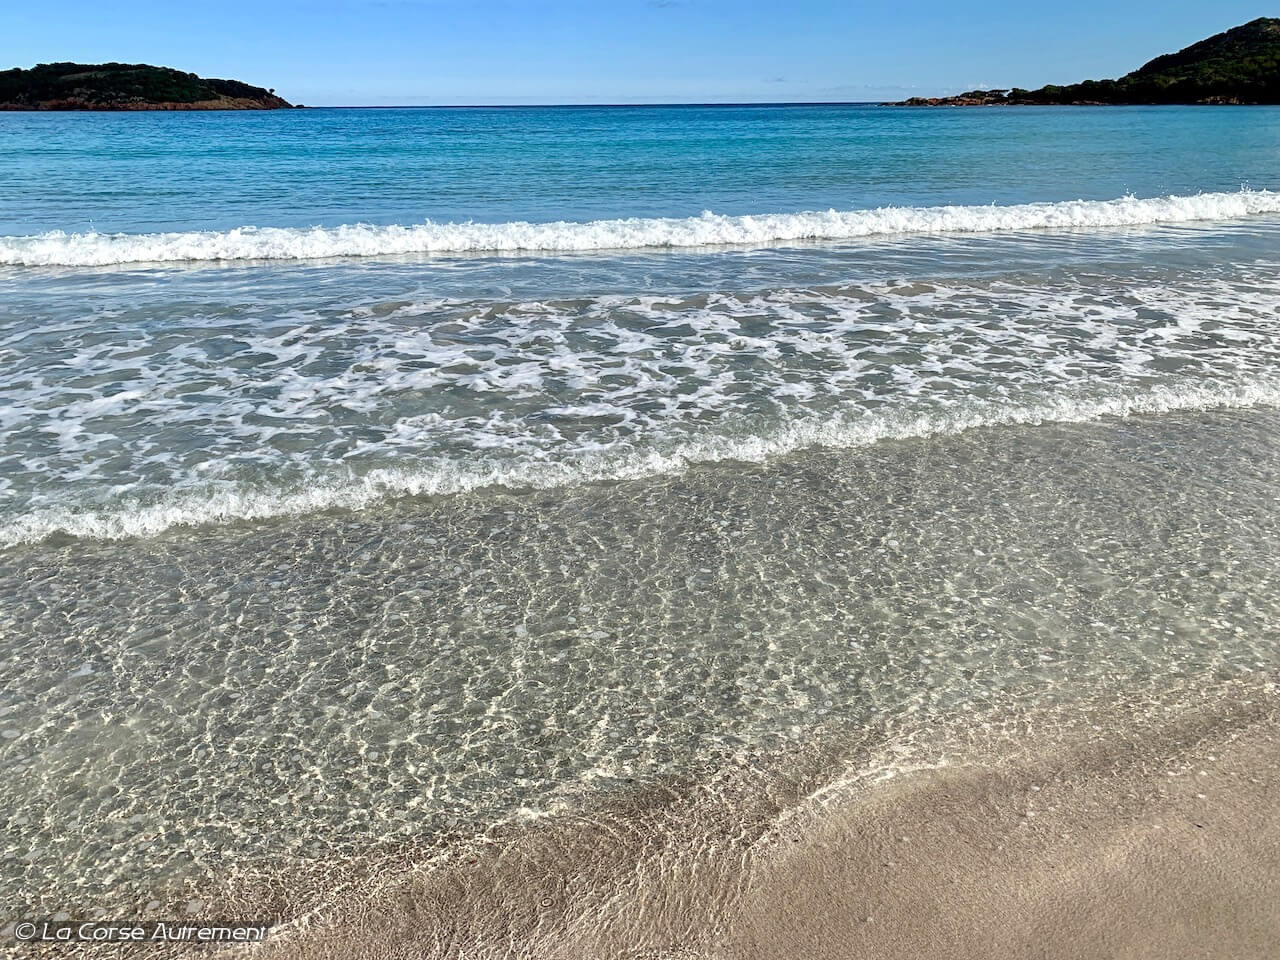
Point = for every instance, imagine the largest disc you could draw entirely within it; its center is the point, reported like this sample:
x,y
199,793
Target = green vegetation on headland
x,y
1241,65
126,86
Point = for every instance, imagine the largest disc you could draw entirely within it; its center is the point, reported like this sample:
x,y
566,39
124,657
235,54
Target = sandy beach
x,y
1169,851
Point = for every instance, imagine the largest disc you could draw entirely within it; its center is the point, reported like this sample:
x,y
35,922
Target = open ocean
x,y
373,480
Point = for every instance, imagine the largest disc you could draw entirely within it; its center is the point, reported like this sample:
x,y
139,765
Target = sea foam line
x,y
709,230
229,504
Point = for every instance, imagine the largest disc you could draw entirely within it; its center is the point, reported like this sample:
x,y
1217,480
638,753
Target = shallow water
x,y
294,689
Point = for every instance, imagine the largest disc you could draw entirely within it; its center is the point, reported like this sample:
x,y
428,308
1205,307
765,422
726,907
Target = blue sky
x,y
373,52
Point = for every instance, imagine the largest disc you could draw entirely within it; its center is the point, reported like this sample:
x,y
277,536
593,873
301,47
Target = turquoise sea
x,y
374,479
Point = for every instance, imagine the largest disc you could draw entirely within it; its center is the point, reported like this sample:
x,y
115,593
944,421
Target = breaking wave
x,y
236,502
709,230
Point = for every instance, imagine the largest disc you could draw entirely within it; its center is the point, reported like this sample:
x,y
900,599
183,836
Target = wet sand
x,y
1103,855
1160,844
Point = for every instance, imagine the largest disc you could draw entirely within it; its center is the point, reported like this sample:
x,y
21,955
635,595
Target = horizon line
x,y
656,103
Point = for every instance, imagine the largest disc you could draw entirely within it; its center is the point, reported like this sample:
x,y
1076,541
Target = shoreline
x,y
1164,846
1151,834
962,102
160,106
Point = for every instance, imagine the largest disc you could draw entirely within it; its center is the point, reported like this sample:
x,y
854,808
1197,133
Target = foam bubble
x,y
366,240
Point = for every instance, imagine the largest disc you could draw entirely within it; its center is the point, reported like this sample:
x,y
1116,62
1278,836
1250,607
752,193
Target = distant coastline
x,y
127,86
1237,66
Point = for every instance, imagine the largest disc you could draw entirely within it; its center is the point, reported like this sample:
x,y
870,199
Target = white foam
x,y
117,429
365,240
232,502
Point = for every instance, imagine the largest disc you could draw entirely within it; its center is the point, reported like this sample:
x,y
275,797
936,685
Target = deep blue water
x,y
148,172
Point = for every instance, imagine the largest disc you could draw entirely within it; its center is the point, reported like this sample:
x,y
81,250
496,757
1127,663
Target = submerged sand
x,y
1150,842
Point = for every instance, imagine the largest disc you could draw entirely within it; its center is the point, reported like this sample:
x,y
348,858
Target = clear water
x,y
149,173
352,528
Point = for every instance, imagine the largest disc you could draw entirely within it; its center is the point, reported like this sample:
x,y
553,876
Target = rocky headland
x,y
126,86
1240,65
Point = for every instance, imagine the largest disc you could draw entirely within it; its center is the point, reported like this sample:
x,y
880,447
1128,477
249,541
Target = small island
x,y
126,86
1240,65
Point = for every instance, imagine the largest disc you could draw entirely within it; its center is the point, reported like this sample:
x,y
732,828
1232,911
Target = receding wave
x,y
232,503
709,230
